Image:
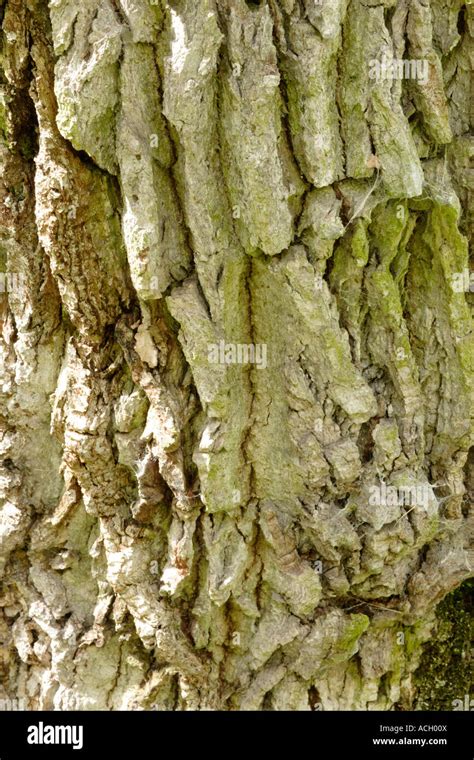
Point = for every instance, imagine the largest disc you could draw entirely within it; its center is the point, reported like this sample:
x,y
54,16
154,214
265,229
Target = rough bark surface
x,y
182,534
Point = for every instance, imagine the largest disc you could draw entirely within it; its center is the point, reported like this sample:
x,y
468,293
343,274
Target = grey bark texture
x,y
187,176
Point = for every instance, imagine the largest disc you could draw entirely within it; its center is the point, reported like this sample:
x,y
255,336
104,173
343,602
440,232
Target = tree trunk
x,y
237,352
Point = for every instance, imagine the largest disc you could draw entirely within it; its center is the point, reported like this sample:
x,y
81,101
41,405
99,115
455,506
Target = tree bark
x,y
237,350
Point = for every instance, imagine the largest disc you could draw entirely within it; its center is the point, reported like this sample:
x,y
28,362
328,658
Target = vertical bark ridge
x,y
181,528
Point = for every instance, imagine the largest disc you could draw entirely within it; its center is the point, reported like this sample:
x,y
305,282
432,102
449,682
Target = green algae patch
x,y
445,673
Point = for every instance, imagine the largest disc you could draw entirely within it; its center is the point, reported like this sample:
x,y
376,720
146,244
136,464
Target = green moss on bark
x,y
445,672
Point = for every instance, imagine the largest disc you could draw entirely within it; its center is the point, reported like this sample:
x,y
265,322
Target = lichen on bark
x,y
190,179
